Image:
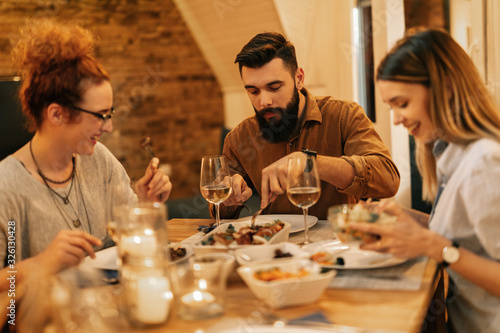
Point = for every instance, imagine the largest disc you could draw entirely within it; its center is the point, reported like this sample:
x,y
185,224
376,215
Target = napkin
x,y
315,316
406,276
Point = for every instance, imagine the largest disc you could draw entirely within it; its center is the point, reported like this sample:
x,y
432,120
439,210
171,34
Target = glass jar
x,y
146,294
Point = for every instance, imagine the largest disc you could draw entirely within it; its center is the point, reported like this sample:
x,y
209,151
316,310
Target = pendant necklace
x,y
46,180
84,205
76,222
65,199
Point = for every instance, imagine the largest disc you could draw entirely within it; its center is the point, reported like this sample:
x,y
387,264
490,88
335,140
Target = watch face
x,y
451,254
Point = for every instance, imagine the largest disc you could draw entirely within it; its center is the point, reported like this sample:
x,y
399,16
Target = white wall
x,y
388,27
493,48
468,29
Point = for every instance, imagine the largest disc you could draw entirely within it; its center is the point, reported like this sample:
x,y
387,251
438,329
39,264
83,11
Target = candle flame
x,y
197,296
202,283
168,295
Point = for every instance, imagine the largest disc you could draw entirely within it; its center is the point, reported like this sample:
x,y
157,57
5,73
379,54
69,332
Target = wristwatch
x,y
309,152
451,254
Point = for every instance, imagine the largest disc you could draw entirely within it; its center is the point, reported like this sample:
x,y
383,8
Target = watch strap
x,y
309,152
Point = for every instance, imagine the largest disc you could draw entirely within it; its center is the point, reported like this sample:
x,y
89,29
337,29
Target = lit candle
x,y
153,300
143,245
198,299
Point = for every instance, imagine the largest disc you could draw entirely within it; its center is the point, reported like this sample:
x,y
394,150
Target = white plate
x,y
106,259
280,237
296,221
267,252
354,257
189,252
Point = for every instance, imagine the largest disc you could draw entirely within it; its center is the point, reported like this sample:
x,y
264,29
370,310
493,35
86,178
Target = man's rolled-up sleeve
x,y
376,175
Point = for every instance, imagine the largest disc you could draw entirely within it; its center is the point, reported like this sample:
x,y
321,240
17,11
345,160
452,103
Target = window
x,y
364,40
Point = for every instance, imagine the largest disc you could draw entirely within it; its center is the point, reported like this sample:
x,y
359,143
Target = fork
x,y
146,144
257,213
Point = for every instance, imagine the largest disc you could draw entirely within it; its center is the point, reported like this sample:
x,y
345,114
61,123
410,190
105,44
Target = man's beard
x,y
279,130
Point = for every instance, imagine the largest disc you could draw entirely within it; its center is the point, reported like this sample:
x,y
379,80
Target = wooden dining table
x,y
381,310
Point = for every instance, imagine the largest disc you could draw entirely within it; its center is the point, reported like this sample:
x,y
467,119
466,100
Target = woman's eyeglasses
x,y
101,116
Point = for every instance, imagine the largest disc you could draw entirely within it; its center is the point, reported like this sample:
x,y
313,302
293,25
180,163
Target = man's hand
x,y
154,186
274,178
240,192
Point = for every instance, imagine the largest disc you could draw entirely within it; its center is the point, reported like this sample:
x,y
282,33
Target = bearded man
x,y
353,162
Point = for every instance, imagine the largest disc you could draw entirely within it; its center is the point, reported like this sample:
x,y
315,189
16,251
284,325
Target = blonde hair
x,y
432,58
53,60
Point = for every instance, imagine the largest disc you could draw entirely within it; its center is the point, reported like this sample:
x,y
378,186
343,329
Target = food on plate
x,y
177,252
321,257
259,234
325,258
280,254
277,274
341,216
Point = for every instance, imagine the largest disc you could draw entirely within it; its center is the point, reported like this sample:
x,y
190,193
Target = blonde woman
x,y
436,92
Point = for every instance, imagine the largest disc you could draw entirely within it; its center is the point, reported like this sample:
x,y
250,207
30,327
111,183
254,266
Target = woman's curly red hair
x,y
55,63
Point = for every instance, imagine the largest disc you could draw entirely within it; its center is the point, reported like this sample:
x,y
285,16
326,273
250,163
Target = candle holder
x,y
143,256
146,293
199,284
141,231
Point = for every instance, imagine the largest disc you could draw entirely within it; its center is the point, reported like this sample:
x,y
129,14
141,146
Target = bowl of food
x,y
238,235
286,283
340,218
280,251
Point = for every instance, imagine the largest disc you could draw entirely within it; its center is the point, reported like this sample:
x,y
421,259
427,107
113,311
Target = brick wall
x,y
163,87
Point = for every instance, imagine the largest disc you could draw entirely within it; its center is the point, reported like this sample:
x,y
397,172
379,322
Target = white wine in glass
x,y
215,181
304,197
304,187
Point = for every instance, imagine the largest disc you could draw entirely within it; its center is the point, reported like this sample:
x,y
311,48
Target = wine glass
x,y
303,189
215,181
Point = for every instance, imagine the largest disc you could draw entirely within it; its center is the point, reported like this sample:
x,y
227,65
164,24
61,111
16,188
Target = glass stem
x,y
306,229
217,215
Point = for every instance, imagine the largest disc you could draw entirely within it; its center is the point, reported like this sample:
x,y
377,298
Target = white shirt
x,y
468,212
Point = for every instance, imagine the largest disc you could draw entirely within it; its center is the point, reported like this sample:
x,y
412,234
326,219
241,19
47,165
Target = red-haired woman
x,y
57,192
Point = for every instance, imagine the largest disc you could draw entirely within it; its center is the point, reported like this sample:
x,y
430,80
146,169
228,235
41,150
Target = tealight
x,y
139,245
153,300
198,299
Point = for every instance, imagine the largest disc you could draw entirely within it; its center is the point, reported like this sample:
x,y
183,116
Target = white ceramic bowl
x,y
226,259
279,237
259,254
287,292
